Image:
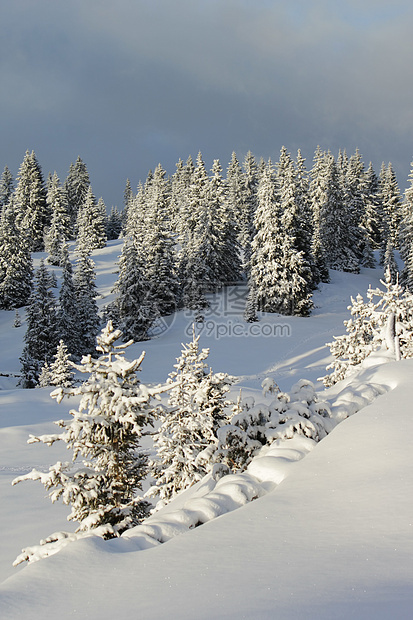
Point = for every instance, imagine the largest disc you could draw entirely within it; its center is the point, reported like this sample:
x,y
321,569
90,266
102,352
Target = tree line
x,y
278,227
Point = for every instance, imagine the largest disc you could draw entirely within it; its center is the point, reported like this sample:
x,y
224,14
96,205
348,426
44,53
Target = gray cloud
x,y
128,84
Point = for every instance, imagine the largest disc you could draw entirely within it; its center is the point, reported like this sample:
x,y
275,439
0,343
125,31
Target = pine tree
x,y
6,187
368,329
247,230
371,221
355,189
69,327
195,411
132,309
304,227
193,270
41,334
227,268
76,187
334,230
91,225
392,208
60,227
135,217
158,249
267,259
317,190
389,262
33,215
297,279
16,267
87,310
61,373
114,224
406,235
108,465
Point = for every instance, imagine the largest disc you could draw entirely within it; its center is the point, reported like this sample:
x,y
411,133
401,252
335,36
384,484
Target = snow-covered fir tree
x,y
372,218
228,267
368,329
317,188
41,335
389,262
69,328
187,436
76,186
60,370
251,305
103,481
279,274
60,226
355,188
392,208
297,277
406,235
16,266
91,225
132,309
265,259
193,268
339,233
249,207
32,213
114,224
253,426
6,187
87,310
158,252
304,227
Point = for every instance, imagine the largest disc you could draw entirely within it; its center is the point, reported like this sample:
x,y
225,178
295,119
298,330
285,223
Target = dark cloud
x,y
128,84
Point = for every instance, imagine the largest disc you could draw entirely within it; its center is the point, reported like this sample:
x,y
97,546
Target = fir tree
x,y
265,264
91,225
33,215
368,329
193,265
317,188
6,187
227,266
87,310
132,309
60,228
392,208
114,224
108,466
61,373
69,327
247,230
76,187
41,334
16,267
187,437
406,235
297,277
372,217
158,249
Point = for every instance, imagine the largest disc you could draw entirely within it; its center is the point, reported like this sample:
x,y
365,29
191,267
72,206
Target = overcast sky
x,y
127,84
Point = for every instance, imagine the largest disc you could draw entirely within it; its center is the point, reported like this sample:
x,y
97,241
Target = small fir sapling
x,y
187,436
369,329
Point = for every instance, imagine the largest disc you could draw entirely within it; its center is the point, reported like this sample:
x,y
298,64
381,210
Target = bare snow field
x,y
309,531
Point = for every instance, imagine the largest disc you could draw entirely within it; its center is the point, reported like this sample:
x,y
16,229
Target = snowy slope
x,y
332,540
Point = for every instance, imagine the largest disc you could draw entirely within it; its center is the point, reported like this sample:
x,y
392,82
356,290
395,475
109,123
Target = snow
x,y
309,531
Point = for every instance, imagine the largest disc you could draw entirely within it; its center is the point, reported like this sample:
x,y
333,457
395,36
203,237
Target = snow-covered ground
x,y
329,535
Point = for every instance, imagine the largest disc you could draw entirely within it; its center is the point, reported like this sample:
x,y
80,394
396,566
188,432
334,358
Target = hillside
x,y
332,539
